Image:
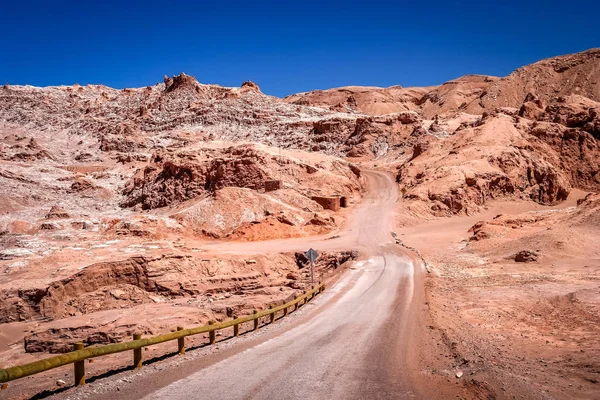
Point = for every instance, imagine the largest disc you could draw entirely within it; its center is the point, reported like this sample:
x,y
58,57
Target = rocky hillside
x,y
362,100
461,94
548,80
108,199
95,117
533,134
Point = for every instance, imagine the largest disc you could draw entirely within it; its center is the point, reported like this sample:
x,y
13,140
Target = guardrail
x,y
80,354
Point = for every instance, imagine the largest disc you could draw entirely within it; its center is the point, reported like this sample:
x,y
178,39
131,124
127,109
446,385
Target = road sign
x,y
312,256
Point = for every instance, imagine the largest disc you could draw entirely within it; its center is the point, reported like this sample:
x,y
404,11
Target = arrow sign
x,y
312,255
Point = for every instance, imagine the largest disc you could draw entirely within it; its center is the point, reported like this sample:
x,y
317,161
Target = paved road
x,y
344,352
355,347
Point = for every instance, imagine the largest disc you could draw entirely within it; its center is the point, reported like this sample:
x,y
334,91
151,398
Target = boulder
x,y
525,256
532,108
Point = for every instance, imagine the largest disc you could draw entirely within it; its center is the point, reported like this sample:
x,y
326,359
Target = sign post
x,y
312,255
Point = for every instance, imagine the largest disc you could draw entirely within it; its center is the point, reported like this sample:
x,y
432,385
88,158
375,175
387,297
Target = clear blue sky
x,y
284,48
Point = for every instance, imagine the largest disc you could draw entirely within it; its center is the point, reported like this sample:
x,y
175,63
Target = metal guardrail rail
x,y
80,354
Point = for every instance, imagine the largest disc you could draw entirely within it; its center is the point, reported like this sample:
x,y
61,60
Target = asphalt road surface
x,y
347,351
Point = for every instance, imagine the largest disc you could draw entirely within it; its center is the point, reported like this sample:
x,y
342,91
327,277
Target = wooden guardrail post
x,y
212,334
79,367
180,342
304,300
137,353
285,312
236,328
295,305
272,315
256,320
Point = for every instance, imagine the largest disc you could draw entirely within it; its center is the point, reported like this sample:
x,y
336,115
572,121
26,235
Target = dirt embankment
x,y
100,303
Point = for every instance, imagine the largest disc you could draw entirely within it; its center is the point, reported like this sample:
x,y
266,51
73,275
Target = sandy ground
x,y
516,330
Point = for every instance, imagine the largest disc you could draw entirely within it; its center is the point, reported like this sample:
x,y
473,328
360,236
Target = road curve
x,y
355,346
366,229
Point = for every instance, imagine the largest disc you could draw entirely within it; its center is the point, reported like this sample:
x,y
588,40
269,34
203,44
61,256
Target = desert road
x,y
356,344
354,341
353,349
367,228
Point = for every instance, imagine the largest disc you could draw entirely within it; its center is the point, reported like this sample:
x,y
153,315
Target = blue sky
x,y
284,48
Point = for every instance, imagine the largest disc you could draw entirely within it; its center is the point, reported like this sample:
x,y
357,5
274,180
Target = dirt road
x,y
367,228
356,345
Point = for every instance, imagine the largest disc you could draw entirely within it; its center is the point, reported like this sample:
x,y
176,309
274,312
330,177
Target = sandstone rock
x,y
408,117
526,256
57,212
131,157
480,231
50,226
355,170
418,149
84,157
327,260
319,221
285,219
82,184
175,177
118,143
180,81
532,108
249,85
139,277
576,112
292,276
336,130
